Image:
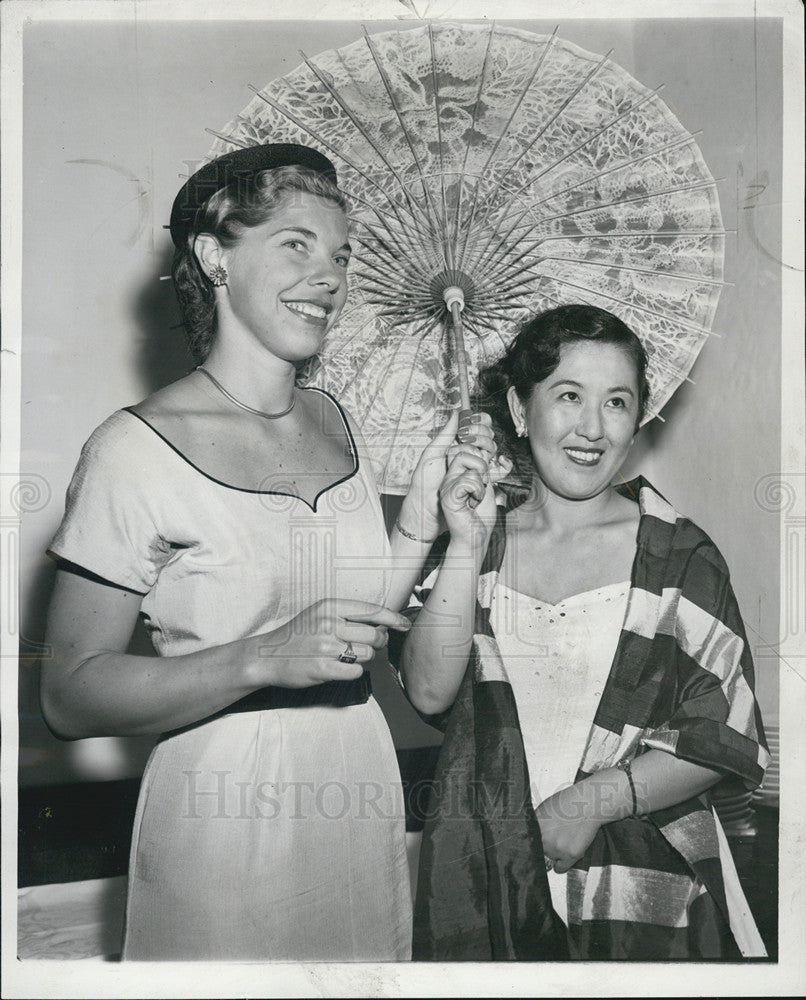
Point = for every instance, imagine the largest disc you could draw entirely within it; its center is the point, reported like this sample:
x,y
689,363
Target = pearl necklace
x,y
243,406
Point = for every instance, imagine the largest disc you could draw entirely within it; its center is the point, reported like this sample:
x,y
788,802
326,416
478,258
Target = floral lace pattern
x,y
518,166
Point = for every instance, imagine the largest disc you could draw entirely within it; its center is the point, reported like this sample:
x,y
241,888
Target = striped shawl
x,y
648,888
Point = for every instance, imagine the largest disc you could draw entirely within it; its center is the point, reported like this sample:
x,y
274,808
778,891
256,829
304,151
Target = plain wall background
x,y
113,115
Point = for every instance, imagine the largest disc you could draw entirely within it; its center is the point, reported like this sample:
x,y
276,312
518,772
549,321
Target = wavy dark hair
x,y
244,204
535,353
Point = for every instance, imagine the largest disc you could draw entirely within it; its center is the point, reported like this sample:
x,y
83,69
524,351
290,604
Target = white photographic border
x,y
87,979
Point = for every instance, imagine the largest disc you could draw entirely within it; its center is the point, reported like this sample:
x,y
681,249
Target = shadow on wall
x,y
649,441
44,759
160,358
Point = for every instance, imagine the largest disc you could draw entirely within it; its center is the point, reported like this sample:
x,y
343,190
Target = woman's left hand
x,y
566,829
421,507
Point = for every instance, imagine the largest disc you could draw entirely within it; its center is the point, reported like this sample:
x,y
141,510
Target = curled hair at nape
x,y
535,353
490,397
247,202
194,290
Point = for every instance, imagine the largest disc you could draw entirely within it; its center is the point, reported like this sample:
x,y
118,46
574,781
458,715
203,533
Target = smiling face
x,y
287,278
581,419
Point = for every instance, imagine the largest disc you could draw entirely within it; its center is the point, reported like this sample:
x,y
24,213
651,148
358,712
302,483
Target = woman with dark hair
x,y
583,649
237,514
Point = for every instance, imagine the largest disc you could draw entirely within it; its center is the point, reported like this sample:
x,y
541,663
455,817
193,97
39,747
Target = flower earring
x,y
522,432
218,275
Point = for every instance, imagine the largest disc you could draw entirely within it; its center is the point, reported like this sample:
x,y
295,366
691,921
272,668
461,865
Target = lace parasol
x,y
516,167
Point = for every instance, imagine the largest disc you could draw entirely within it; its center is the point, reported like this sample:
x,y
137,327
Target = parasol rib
x,y
228,138
387,281
527,251
631,305
681,189
498,268
662,362
394,307
354,336
390,281
411,258
488,325
481,251
448,249
474,120
622,165
541,131
388,284
404,243
397,314
595,135
393,101
412,370
622,201
490,250
699,278
592,177
556,114
479,320
558,162
638,234
518,102
498,141
341,155
357,124
599,235
402,246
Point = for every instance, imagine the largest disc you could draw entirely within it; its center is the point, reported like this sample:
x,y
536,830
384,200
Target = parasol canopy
x,y
514,167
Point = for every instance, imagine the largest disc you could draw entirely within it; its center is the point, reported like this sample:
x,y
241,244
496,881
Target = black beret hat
x,y
225,169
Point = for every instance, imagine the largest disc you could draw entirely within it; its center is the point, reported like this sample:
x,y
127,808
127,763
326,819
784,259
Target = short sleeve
x,y
110,520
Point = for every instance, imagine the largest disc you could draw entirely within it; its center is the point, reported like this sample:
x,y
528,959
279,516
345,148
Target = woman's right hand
x,y
306,650
467,497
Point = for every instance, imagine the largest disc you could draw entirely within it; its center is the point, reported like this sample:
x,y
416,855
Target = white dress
x,y
275,834
568,649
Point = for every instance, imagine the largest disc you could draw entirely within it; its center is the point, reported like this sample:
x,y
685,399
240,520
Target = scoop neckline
x,y
275,493
539,603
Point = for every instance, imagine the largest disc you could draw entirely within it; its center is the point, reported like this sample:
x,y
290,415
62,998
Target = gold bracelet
x,y
414,538
626,767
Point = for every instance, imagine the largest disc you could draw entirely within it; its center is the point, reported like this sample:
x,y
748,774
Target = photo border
x,y
180,979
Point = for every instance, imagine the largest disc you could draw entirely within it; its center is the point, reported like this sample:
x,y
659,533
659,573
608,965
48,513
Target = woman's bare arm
x,y
435,652
570,819
91,687
419,521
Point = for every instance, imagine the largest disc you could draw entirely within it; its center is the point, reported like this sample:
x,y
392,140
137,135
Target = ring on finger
x,y
349,655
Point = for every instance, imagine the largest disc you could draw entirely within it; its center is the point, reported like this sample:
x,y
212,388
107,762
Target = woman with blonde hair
x,y
236,513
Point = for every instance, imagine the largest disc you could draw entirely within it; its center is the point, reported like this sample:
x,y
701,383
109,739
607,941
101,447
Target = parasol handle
x,y
455,301
454,298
